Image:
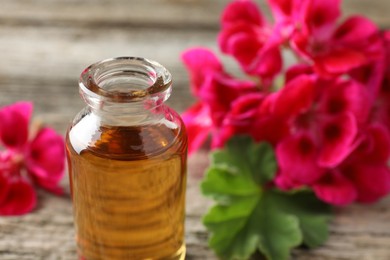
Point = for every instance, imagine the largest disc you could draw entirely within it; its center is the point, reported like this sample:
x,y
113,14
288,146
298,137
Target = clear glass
x,y
127,155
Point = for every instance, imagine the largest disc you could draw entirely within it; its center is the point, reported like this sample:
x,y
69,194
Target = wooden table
x,y
45,44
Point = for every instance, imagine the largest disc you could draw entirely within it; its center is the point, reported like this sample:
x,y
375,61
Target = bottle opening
x,y
125,79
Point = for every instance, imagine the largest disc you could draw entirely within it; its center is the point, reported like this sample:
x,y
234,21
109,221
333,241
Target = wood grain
x,y
45,44
188,14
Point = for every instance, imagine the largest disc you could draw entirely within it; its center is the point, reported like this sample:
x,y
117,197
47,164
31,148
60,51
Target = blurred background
x,y
45,44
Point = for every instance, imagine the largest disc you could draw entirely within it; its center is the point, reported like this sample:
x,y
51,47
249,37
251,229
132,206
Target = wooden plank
x,y
103,13
189,14
53,52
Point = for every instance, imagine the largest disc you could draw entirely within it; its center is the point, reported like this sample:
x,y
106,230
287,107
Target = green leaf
x,y
279,232
263,162
235,240
243,155
313,214
247,216
219,181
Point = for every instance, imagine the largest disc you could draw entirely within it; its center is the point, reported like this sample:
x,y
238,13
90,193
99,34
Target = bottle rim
x,y
125,79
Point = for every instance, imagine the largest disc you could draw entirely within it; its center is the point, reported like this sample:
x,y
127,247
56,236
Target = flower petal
x,y
297,159
339,61
268,64
357,32
256,49
45,159
285,182
21,198
240,119
244,109
335,189
355,43
297,96
198,124
374,147
282,9
298,70
372,181
320,17
380,144
338,139
346,96
219,92
14,124
268,126
242,11
4,187
243,42
270,129
371,76
200,62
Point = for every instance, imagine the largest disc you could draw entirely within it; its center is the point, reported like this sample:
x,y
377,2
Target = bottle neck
x,y
126,90
128,114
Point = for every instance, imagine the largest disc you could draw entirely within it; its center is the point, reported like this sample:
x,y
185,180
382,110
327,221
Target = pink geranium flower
x,y
329,122
217,91
364,176
382,104
331,146
252,115
30,158
247,37
334,49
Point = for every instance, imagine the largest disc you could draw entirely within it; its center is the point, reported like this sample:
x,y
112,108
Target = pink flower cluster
x,y
329,121
29,158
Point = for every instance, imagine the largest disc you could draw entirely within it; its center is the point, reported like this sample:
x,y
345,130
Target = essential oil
x,y
128,178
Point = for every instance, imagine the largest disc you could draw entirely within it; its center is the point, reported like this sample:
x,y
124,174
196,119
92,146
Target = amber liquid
x,y
128,189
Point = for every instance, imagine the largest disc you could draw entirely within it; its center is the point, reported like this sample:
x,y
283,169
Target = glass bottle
x,y
127,155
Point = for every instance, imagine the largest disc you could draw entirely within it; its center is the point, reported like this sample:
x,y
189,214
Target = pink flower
x,y
217,91
329,123
376,76
297,156
335,188
334,49
382,104
364,176
335,145
246,36
323,132
198,124
29,159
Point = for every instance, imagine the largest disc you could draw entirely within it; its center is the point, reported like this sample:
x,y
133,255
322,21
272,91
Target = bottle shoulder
x,y
126,142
